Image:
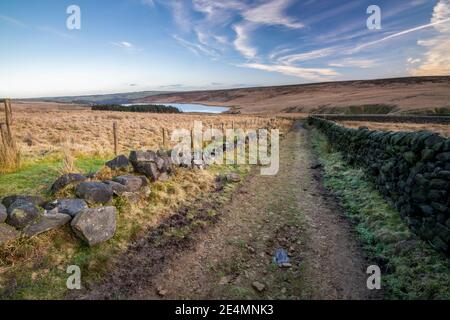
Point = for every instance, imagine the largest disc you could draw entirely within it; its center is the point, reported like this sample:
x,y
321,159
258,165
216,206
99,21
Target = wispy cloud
x,y
55,31
272,13
127,46
242,41
437,57
354,63
305,56
13,21
402,33
313,74
149,2
196,48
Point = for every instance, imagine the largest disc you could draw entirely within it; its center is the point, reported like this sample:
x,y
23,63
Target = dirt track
x,y
289,211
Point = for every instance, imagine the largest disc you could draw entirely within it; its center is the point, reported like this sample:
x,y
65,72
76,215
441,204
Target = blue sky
x,y
136,45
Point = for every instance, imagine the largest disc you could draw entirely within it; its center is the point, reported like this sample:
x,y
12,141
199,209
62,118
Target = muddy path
x,y
232,257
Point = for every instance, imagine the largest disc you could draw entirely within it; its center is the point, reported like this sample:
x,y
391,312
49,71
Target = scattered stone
x,y
21,213
3,213
132,183
94,192
66,180
37,201
71,207
7,233
161,292
46,222
258,286
233,177
95,225
119,163
286,265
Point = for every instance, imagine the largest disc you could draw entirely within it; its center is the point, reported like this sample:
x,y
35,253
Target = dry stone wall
x,y
412,169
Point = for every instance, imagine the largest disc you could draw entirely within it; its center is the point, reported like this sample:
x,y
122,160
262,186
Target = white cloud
x,y
437,58
313,74
355,63
272,13
127,46
413,61
311,55
241,43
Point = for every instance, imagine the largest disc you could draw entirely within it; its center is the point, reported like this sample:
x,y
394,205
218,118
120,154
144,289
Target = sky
x,y
178,45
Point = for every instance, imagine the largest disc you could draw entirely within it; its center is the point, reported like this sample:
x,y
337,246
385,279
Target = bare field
x,y
43,129
443,129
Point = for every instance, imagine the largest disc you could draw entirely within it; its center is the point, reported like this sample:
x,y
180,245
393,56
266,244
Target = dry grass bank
x,y
43,129
442,129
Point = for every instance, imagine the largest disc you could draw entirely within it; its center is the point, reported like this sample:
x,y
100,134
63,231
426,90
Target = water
x,y
189,107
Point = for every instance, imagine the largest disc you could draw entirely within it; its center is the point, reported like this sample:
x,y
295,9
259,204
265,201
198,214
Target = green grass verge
x,y
411,268
35,178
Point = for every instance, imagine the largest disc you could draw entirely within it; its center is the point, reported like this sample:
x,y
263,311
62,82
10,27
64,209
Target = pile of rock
x,y
90,215
410,168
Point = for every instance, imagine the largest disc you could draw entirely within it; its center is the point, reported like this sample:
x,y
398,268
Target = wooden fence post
x,y
116,138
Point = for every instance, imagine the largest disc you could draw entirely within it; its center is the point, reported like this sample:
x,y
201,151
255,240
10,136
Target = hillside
x,y
114,98
400,95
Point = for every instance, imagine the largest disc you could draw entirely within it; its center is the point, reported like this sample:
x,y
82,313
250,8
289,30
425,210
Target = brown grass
x,y
41,129
443,129
406,94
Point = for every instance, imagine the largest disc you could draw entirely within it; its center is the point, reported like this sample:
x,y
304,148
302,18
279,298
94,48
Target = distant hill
x,y
116,98
419,95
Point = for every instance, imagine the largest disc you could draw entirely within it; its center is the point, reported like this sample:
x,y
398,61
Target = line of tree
x,y
151,108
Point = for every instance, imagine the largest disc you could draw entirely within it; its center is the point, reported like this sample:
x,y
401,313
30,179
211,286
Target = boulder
x,y
21,213
233,177
149,169
117,188
65,180
36,200
46,222
7,233
3,213
132,183
119,163
95,225
142,156
71,207
94,192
